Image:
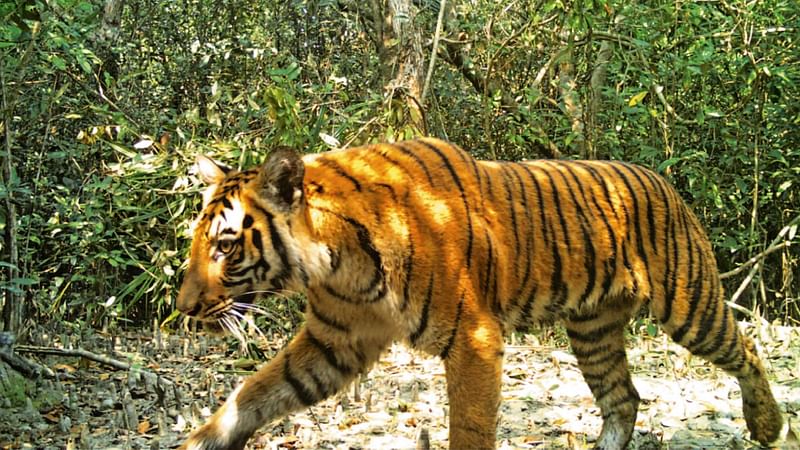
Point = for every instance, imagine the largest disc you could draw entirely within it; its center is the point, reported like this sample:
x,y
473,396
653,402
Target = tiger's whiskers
x,y
249,321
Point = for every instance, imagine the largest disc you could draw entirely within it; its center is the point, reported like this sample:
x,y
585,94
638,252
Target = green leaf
x,y
700,117
58,63
668,163
24,281
636,99
84,63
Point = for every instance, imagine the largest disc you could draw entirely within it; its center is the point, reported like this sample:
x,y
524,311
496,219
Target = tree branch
x,y
434,51
774,246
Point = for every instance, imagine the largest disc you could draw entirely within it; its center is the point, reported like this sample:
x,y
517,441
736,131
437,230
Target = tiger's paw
x,y
763,418
209,438
766,427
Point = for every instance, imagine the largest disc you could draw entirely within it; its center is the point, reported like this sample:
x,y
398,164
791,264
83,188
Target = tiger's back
x,y
418,241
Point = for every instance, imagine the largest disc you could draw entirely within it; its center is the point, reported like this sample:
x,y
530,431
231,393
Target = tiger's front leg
x,y
309,370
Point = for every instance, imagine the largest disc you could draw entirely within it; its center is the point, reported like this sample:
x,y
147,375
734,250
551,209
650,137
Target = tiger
x,y
419,242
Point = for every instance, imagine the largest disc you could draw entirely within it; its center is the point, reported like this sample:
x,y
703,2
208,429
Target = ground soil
x,y
686,404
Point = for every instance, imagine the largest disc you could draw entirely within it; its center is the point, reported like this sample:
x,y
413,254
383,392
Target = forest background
x,y
105,105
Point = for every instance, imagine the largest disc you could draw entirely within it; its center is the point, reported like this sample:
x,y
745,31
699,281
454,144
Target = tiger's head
x,y
243,243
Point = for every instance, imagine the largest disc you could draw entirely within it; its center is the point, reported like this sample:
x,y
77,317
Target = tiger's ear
x,y
280,179
210,172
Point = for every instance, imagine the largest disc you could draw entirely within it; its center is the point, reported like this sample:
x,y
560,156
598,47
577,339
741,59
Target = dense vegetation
x,y
106,104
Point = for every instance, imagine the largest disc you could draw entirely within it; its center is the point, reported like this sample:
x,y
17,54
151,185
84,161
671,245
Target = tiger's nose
x,y
191,309
195,311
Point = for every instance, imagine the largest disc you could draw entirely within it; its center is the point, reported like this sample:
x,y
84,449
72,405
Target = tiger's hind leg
x,y
473,368
713,334
597,340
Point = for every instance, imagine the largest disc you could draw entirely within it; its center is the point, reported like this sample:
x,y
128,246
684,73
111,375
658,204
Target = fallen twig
x,y
773,247
102,359
24,366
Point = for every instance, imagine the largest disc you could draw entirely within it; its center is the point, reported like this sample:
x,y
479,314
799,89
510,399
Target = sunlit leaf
x,y
636,99
143,144
329,140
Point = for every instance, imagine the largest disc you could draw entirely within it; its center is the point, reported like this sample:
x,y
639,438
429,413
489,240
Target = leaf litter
x,y
685,403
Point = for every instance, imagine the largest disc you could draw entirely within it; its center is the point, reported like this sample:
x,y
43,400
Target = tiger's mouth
x,y
233,315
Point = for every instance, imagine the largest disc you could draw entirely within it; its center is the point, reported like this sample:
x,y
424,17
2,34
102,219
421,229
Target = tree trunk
x,y
402,55
596,84
572,101
12,305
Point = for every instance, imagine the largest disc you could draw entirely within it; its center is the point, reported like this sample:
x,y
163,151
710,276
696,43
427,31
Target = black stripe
x,y
510,199
255,238
408,266
423,320
631,396
487,278
413,155
540,200
304,394
226,203
237,255
333,323
696,288
247,222
688,272
589,352
610,263
228,231
611,363
557,209
397,163
227,282
528,226
389,188
280,248
708,322
532,227
336,167
733,353
329,353
583,318
595,334
466,158
636,219
634,170
260,263
603,355
324,390
589,254
670,262
557,286
446,350
603,387
488,178
336,259
338,295
365,242
457,181
525,317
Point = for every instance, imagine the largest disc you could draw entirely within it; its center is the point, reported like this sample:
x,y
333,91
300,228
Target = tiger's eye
x,y
225,246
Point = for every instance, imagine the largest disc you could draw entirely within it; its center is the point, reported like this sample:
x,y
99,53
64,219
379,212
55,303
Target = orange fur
x,y
417,241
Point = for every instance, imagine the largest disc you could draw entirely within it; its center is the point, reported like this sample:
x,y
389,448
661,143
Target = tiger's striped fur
x,y
418,241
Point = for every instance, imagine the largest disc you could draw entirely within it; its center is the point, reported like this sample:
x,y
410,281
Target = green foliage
x,y
106,122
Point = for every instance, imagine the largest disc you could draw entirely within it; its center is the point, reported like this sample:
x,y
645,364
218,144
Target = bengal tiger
x,y
418,241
